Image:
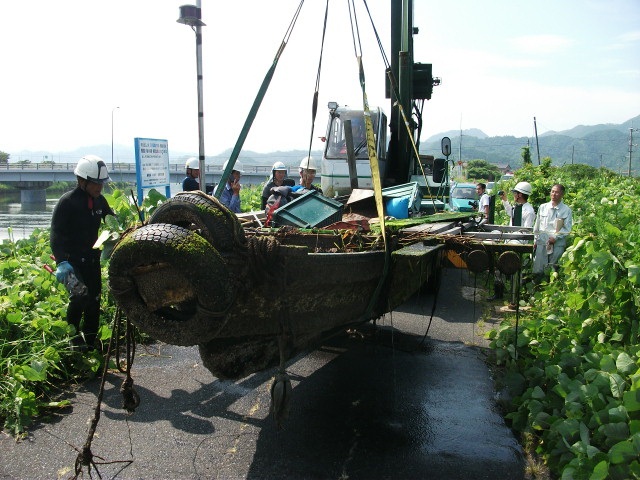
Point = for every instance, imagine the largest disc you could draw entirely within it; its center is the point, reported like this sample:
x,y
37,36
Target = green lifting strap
x,y
314,105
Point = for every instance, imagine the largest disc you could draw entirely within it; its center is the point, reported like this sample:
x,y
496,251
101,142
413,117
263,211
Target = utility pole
x,y
573,150
631,146
112,110
460,149
460,143
535,128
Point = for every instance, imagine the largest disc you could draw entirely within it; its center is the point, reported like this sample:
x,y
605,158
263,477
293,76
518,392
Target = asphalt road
x,y
380,403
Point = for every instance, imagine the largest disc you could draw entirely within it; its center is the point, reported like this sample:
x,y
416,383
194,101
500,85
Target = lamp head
x,y
190,15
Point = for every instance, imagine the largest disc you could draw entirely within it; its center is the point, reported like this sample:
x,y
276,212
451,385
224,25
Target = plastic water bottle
x,y
74,286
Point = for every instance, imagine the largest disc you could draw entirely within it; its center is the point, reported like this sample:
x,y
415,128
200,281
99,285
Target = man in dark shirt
x,y
74,230
190,182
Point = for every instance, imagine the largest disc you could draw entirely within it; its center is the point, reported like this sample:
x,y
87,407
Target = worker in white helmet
x,y
230,196
74,230
307,171
277,179
522,213
191,181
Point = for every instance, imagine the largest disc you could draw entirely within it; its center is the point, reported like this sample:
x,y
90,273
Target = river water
x,y
23,219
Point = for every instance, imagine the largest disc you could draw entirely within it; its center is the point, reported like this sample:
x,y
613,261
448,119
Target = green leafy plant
x,y
575,375
251,198
34,346
36,357
127,214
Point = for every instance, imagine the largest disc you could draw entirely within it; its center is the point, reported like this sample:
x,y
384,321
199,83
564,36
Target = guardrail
x,y
27,175
124,167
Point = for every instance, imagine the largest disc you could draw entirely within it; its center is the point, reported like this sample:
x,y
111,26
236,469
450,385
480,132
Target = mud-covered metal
x,y
194,276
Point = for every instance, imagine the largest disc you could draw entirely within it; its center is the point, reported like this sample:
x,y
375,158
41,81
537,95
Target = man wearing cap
x,y
74,230
230,196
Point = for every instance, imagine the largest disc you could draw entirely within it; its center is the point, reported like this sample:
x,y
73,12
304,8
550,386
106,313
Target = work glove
x,y
63,271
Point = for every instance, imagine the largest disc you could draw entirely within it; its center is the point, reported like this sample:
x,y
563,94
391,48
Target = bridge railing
x,y
125,167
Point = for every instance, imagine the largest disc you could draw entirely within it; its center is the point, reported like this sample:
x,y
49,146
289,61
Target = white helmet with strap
x,y
523,187
93,169
308,163
193,163
279,166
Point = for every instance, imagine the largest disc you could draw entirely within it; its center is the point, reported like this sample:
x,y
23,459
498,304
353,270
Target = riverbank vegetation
x,y
572,373
36,357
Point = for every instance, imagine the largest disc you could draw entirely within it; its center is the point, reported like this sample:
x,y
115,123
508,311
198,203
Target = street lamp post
x,y
190,15
112,110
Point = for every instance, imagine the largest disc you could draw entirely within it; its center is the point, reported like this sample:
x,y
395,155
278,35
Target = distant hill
x,y
596,145
125,154
604,145
583,130
470,132
290,158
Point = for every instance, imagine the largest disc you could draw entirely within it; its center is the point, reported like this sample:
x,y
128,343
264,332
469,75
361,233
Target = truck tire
x,y
171,283
205,215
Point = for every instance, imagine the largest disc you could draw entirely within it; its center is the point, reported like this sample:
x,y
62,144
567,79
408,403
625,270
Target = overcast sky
x,y
67,64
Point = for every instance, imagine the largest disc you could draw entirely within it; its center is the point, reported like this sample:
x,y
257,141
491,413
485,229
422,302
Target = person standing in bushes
x,y
521,214
553,224
74,230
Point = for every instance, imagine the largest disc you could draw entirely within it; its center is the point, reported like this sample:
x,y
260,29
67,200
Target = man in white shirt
x,y
522,213
483,204
552,225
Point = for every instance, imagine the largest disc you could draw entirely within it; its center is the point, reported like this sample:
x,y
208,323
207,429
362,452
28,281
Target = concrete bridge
x,y
33,178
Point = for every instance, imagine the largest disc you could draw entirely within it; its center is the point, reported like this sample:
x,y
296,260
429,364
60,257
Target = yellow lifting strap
x,y
376,182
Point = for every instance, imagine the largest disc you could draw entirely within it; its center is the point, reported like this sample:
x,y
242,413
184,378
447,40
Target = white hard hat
x,y
308,163
193,163
279,166
523,187
237,167
92,168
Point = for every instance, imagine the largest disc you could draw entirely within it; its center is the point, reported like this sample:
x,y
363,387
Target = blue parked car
x,y
463,197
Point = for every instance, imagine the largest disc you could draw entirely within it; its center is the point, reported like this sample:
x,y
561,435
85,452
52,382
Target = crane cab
x,y
335,169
